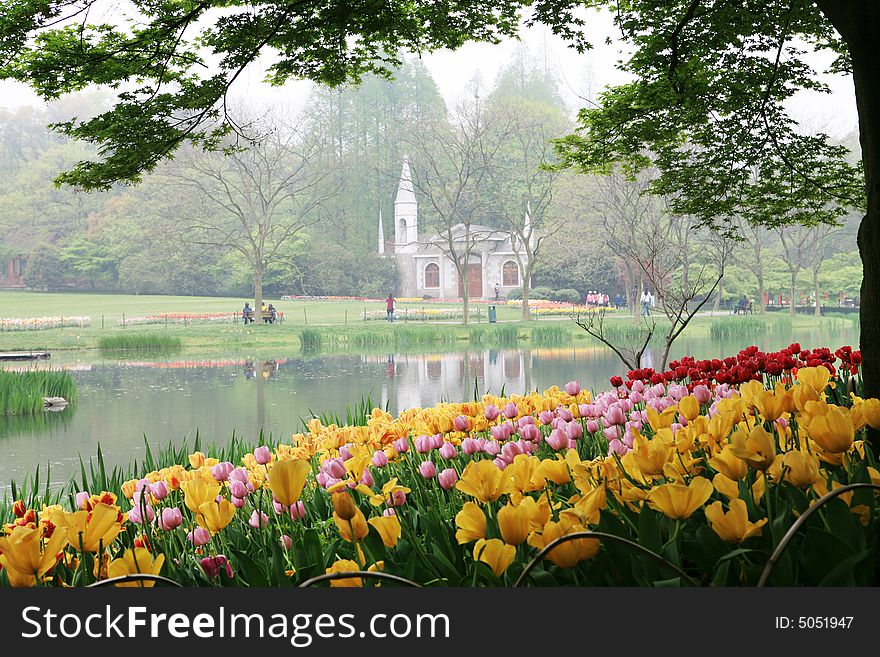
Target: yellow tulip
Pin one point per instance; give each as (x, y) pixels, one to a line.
(89, 531)
(554, 470)
(800, 469)
(651, 455)
(198, 491)
(833, 431)
(815, 377)
(771, 405)
(25, 558)
(803, 395)
(345, 566)
(571, 552)
(287, 478)
(352, 529)
(729, 488)
(513, 521)
(214, 516)
(757, 447)
(589, 506)
(495, 553)
(196, 460)
(525, 473)
(749, 392)
(135, 562)
(484, 481)
(733, 526)
(471, 523)
(678, 501)
(344, 506)
(720, 425)
(728, 464)
(661, 420)
(388, 528)
(689, 407)
(870, 409)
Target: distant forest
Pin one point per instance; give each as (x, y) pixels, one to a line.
(324, 175)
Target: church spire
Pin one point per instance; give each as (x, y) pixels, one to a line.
(381, 234)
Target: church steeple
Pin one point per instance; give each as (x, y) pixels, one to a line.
(405, 210)
(381, 234)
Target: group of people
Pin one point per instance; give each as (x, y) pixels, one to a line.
(269, 314)
(596, 298)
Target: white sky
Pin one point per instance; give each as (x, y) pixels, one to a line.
(580, 75)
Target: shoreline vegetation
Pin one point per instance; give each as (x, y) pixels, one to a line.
(333, 326)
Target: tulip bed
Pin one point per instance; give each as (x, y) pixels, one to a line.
(733, 472)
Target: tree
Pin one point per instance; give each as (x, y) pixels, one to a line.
(257, 197)
(54, 47)
(707, 107)
(451, 171)
(522, 190)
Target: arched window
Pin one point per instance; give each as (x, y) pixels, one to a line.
(510, 274)
(432, 275)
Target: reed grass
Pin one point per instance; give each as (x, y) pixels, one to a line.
(747, 326)
(140, 342)
(310, 340)
(551, 334)
(23, 392)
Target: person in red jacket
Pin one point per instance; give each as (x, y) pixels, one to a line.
(389, 307)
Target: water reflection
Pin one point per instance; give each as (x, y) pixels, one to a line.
(121, 401)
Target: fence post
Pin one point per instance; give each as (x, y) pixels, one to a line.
(305, 317)
(346, 317)
(365, 314)
(123, 320)
(102, 322)
(62, 323)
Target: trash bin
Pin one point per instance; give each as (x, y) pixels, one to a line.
(492, 319)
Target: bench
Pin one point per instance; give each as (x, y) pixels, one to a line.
(740, 309)
(269, 316)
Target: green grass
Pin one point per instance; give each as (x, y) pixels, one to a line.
(140, 342)
(310, 339)
(748, 326)
(22, 392)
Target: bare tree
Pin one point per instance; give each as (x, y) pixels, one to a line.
(522, 190)
(818, 239)
(629, 348)
(255, 198)
(796, 243)
(451, 172)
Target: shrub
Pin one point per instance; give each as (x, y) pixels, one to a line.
(541, 293)
(140, 341)
(567, 295)
(515, 294)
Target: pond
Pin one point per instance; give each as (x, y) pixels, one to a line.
(171, 398)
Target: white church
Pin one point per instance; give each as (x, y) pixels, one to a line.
(423, 266)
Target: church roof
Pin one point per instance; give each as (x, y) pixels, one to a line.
(478, 233)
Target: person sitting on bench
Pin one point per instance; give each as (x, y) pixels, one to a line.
(742, 307)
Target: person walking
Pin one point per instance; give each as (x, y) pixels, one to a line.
(497, 290)
(646, 303)
(389, 307)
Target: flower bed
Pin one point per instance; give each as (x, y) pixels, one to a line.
(423, 314)
(674, 482)
(184, 318)
(42, 323)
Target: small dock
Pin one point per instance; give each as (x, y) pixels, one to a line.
(24, 355)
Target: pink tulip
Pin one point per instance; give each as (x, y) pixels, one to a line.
(526, 420)
(491, 412)
(615, 415)
(461, 423)
(448, 451)
(611, 433)
(367, 479)
(558, 439)
(428, 470)
(344, 453)
(81, 498)
(221, 471)
(160, 490)
(286, 542)
(398, 498)
(238, 489)
(510, 410)
(635, 397)
(592, 426)
(238, 502)
(170, 518)
(424, 444)
(573, 388)
(470, 446)
(380, 459)
(447, 478)
(615, 446)
(334, 468)
(213, 565)
(437, 441)
(258, 519)
(198, 536)
(298, 510)
(262, 455)
(545, 417)
(531, 433)
(638, 386)
(491, 447)
(500, 463)
(136, 517)
(585, 410)
(389, 512)
(575, 430)
(702, 393)
(401, 445)
(564, 414)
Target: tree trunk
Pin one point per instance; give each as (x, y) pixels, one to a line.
(716, 305)
(818, 311)
(637, 302)
(792, 306)
(525, 301)
(258, 293)
(858, 22)
(759, 277)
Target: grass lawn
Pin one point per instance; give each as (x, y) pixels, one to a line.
(338, 321)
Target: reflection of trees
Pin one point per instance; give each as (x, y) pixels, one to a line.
(35, 423)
